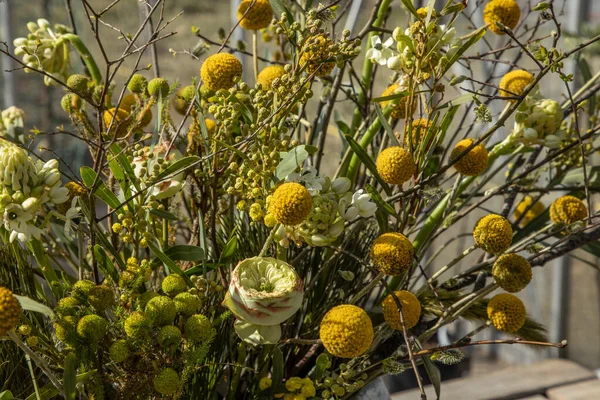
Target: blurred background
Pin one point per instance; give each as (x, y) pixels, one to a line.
(564, 295)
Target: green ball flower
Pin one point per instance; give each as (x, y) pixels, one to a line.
(198, 328)
(101, 297)
(67, 306)
(79, 83)
(161, 310)
(82, 288)
(119, 351)
(92, 328)
(144, 298)
(167, 382)
(137, 325)
(174, 284)
(169, 336)
(137, 84)
(65, 329)
(183, 98)
(187, 303)
(158, 86)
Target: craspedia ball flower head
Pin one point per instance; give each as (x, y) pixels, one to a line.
(144, 298)
(532, 212)
(346, 331)
(65, 329)
(507, 12)
(79, 83)
(418, 132)
(137, 84)
(198, 328)
(137, 325)
(167, 382)
(269, 74)
(399, 109)
(316, 56)
(120, 121)
(568, 209)
(119, 351)
(395, 165)
(514, 83)
(70, 102)
(183, 98)
(254, 16)
(82, 288)
(507, 312)
(158, 87)
(474, 162)
(169, 336)
(392, 253)
(512, 272)
(187, 303)
(493, 233)
(174, 284)
(411, 310)
(67, 306)
(290, 204)
(101, 297)
(161, 310)
(220, 71)
(10, 311)
(92, 328)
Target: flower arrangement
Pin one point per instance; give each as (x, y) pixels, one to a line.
(206, 252)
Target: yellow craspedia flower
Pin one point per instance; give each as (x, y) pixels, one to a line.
(474, 162)
(411, 310)
(532, 213)
(121, 121)
(10, 311)
(316, 55)
(567, 209)
(395, 165)
(269, 74)
(346, 331)
(265, 383)
(513, 83)
(254, 16)
(399, 110)
(419, 128)
(512, 272)
(493, 233)
(290, 204)
(219, 71)
(507, 312)
(392, 253)
(507, 12)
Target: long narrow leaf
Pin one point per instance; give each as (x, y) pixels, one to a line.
(368, 161)
(169, 264)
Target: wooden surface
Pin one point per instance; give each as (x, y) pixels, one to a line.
(513, 383)
(587, 390)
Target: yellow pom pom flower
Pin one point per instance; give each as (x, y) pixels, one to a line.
(531, 213)
(474, 162)
(507, 312)
(392, 253)
(512, 272)
(418, 132)
(399, 110)
(254, 16)
(121, 121)
(315, 54)
(493, 233)
(507, 12)
(568, 209)
(411, 310)
(513, 83)
(290, 204)
(219, 71)
(10, 311)
(346, 331)
(269, 74)
(395, 165)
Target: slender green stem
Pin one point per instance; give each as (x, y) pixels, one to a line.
(255, 55)
(269, 240)
(452, 263)
(367, 288)
(35, 385)
(85, 55)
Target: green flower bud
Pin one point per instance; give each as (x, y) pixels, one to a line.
(161, 310)
(137, 325)
(137, 84)
(79, 83)
(92, 328)
(167, 382)
(187, 303)
(198, 328)
(67, 306)
(174, 284)
(144, 298)
(169, 336)
(65, 329)
(158, 87)
(82, 288)
(119, 351)
(101, 297)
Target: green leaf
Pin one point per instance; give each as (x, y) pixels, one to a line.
(70, 376)
(102, 191)
(45, 393)
(6, 395)
(381, 204)
(411, 7)
(202, 269)
(277, 373)
(462, 99)
(182, 253)
(121, 158)
(386, 125)
(178, 167)
(368, 161)
(229, 250)
(391, 97)
(322, 364)
(164, 214)
(32, 305)
(575, 176)
(169, 264)
(434, 375)
(105, 264)
(292, 160)
(41, 257)
(279, 9)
